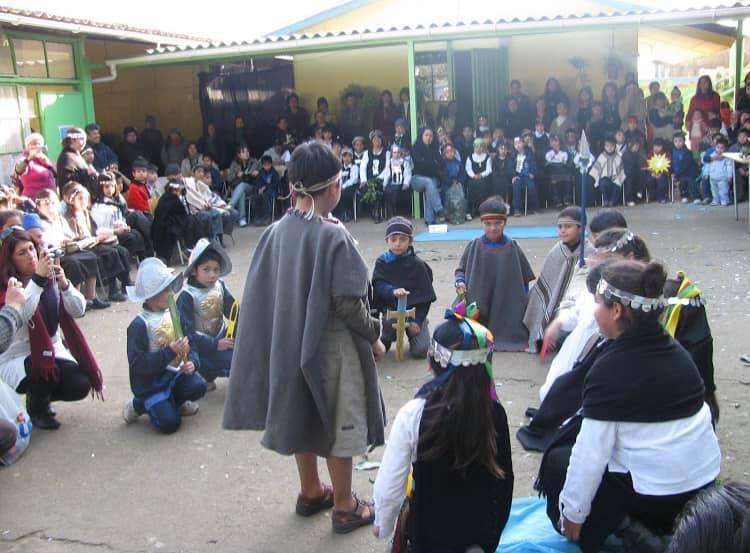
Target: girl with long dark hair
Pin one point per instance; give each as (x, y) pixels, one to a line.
(454, 439)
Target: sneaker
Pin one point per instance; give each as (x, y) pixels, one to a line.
(706, 201)
(243, 222)
(469, 217)
(210, 385)
(189, 408)
(697, 202)
(639, 195)
(684, 200)
(440, 219)
(724, 204)
(631, 204)
(714, 203)
(129, 414)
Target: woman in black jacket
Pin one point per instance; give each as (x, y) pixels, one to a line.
(425, 178)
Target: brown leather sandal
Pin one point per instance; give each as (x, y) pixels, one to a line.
(309, 506)
(344, 522)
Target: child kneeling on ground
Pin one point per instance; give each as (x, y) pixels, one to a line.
(162, 368)
(454, 438)
(400, 273)
(203, 304)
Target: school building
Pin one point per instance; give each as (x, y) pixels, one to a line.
(56, 72)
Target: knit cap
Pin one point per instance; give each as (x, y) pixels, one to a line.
(399, 225)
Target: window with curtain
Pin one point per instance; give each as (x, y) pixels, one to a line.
(11, 138)
(6, 58)
(432, 78)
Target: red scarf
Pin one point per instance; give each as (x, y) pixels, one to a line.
(43, 352)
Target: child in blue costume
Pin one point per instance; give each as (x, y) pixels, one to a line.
(162, 368)
(203, 304)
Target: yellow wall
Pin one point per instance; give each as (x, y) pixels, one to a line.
(328, 73)
(169, 92)
(533, 58)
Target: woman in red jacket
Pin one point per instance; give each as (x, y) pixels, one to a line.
(705, 99)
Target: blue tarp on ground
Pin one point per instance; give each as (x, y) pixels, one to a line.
(467, 234)
(529, 531)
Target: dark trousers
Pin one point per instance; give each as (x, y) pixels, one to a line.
(215, 364)
(658, 187)
(346, 203)
(519, 183)
(478, 191)
(72, 384)
(610, 191)
(561, 190)
(634, 185)
(8, 436)
(142, 222)
(165, 415)
(614, 500)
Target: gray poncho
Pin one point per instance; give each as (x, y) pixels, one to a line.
(549, 289)
(497, 276)
(276, 381)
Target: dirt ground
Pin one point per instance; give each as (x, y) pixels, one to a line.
(97, 484)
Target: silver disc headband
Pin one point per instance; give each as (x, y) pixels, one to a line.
(621, 243)
(444, 356)
(606, 290)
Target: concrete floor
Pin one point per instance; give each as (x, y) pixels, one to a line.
(99, 484)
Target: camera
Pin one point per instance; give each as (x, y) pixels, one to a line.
(55, 252)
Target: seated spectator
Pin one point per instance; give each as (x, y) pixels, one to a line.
(372, 174)
(524, 168)
(34, 171)
(81, 266)
(560, 124)
(152, 179)
(319, 123)
(608, 174)
(401, 136)
(503, 171)
(633, 131)
(661, 117)
(241, 177)
(163, 375)
(192, 158)
(109, 214)
(465, 144)
(632, 164)
(45, 364)
(70, 163)
(684, 168)
(201, 204)
(81, 233)
(349, 184)
(478, 168)
(426, 159)
(397, 179)
(175, 148)
(561, 178)
(210, 168)
(267, 185)
(104, 157)
(298, 117)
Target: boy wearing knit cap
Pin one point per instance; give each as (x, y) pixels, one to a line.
(400, 273)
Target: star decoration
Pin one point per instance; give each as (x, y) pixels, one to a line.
(658, 164)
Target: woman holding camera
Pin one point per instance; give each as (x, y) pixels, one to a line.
(34, 170)
(38, 362)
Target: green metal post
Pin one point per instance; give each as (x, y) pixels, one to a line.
(739, 62)
(411, 65)
(83, 72)
(451, 76)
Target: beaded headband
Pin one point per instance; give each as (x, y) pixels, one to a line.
(621, 243)
(458, 358)
(634, 301)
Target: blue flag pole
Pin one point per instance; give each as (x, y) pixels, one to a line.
(584, 162)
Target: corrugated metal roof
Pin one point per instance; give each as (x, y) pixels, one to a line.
(448, 27)
(81, 26)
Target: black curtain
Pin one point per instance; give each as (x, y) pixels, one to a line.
(258, 96)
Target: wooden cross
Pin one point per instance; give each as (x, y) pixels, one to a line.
(400, 316)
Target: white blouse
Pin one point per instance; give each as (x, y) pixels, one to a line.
(12, 370)
(663, 458)
(400, 453)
